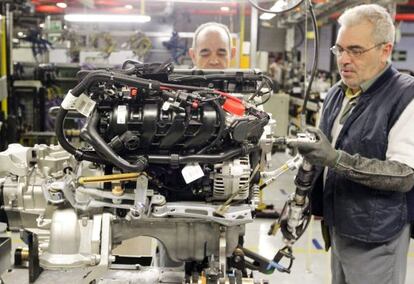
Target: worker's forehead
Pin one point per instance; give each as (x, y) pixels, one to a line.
(215, 36)
(358, 34)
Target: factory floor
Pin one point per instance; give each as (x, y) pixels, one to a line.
(312, 263)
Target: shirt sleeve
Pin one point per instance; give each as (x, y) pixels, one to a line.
(401, 138)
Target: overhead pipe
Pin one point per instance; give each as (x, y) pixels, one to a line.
(254, 29)
(242, 33)
(409, 17)
(404, 17)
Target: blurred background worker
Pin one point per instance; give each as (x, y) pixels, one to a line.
(212, 47)
(276, 73)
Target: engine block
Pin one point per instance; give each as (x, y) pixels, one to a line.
(167, 158)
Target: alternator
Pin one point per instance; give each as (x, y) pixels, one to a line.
(231, 177)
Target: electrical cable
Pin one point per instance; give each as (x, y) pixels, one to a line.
(270, 86)
(302, 37)
(316, 47)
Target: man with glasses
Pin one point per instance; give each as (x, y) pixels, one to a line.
(212, 47)
(365, 154)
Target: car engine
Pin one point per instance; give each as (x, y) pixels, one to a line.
(177, 155)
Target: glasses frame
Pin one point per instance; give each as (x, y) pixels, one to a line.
(337, 50)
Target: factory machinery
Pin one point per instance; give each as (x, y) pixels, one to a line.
(177, 155)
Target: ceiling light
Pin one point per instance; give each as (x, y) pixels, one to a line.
(20, 34)
(225, 9)
(129, 7)
(280, 5)
(200, 1)
(62, 5)
(267, 16)
(105, 18)
(42, 25)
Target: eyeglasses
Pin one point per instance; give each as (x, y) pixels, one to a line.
(337, 50)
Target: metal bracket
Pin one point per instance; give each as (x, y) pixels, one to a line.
(106, 247)
(32, 241)
(5, 250)
(222, 254)
(235, 215)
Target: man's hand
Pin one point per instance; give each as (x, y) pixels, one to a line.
(320, 153)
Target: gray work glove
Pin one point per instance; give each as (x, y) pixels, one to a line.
(320, 153)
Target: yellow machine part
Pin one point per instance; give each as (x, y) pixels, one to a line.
(3, 62)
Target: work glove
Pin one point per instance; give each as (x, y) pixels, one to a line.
(319, 153)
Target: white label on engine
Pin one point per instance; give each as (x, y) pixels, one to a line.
(122, 113)
(192, 172)
(85, 105)
(69, 101)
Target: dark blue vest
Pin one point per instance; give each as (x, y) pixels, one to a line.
(355, 210)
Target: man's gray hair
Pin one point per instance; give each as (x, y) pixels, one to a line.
(383, 26)
(211, 26)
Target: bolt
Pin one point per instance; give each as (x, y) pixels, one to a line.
(135, 212)
(93, 259)
(237, 259)
(118, 190)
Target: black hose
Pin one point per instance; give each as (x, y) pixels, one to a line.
(165, 67)
(91, 134)
(267, 81)
(211, 159)
(207, 77)
(60, 134)
(315, 59)
(184, 87)
(90, 78)
(82, 73)
(265, 100)
(302, 37)
(222, 122)
(257, 91)
(132, 62)
(106, 76)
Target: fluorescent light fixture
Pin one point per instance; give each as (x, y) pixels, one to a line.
(20, 34)
(199, 1)
(280, 5)
(267, 16)
(62, 5)
(42, 25)
(129, 7)
(225, 8)
(105, 18)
